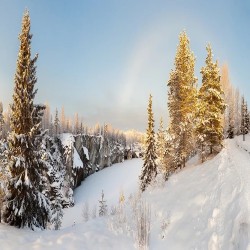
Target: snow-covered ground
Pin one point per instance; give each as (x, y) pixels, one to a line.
(204, 206)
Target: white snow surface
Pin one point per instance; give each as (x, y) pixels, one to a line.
(207, 206)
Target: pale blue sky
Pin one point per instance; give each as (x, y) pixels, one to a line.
(103, 58)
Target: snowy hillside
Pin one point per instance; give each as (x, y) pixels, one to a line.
(204, 206)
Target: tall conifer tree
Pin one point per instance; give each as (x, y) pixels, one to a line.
(244, 118)
(247, 119)
(182, 99)
(25, 204)
(149, 170)
(211, 106)
(56, 123)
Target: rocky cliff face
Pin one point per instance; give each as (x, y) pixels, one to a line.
(98, 152)
(86, 154)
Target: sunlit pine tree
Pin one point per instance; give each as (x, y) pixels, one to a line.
(211, 107)
(182, 103)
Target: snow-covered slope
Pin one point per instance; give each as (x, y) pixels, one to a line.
(112, 180)
(208, 205)
(204, 206)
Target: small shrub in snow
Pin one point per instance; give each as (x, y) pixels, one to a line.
(68, 198)
(143, 220)
(164, 220)
(117, 222)
(132, 218)
(103, 208)
(134, 201)
(113, 210)
(57, 215)
(164, 225)
(85, 212)
(121, 198)
(130, 198)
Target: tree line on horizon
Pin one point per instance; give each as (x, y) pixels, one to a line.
(59, 123)
(199, 118)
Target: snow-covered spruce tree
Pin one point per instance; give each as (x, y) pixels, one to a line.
(231, 129)
(4, 176)
(52, 157)
(149, 170)
(25, 204)
(51, 126)
(56, 123)
(211, 107)
(46, 117)
(103, 208)
(169, 167)
(182, 101)
(160, 146)
(244, 118)
(247, 120)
